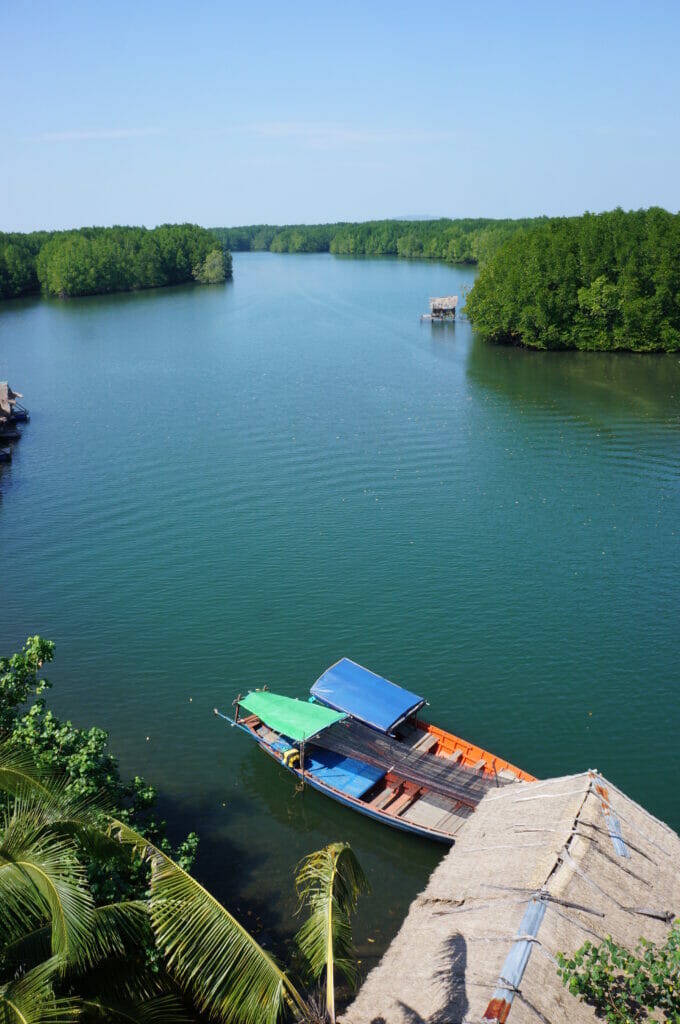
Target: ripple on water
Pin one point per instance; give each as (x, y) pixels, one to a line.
(242, 499)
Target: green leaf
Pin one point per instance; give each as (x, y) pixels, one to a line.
(31, 1000)
(328, 883)
(212, 956)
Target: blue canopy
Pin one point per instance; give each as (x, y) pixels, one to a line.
(348, 687)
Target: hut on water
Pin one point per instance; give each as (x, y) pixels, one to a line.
(443, 308)
(6, 404)
(536, 870)
(9, 406)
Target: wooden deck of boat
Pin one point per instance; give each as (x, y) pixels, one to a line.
(439, 807)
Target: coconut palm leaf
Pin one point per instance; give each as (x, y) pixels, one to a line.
(30, 949)
(31, 1000)
(329, 882)
(117, 929)
(42, 879)
(162, 1009)
(47, 796)
(228, 974)
(18, 772)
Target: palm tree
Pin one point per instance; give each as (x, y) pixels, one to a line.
(29, 999)
(209, 953)
(53, 937)
(329, 883)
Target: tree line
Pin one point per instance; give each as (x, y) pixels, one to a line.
(599, 281)
(468, 240)
(94, 261)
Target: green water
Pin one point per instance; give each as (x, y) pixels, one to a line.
(225, 487)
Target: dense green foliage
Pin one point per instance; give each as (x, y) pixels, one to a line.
(605, 281)
(82, 758)
(63, 957)
(470, 240)
(93, 261)
(157, 940)
(625, 986)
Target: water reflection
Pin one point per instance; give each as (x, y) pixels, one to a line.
(596, 387)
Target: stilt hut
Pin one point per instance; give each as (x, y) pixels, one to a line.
(442, 308)
(536, 870)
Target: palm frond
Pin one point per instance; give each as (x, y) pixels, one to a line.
(42, 879)
(162, 1009)
(31, 1000)
(116, 930)
(20, 776)
(18, 772)
(329, 883)
(32, 947)
(210, 954)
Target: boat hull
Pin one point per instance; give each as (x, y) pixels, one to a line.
(383, 795)
(352, 803)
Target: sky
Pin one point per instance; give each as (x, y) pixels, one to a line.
(225, 113)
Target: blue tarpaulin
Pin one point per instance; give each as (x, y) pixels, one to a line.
(344, 773)
(364, 695)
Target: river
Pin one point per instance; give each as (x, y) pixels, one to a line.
(229, 486)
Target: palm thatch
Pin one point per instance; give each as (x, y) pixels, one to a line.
(552, 845)
(444, 303)
(8, 399)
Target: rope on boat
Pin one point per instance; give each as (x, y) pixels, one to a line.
(437, 774)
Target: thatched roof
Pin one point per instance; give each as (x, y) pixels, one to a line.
(445, 302)
(7, 399)
(542, 859)
(6, 402)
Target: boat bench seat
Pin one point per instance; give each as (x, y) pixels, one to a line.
(382, 799)
(403, 802)
(506, 774)
(455, 756)
(479, 765)
(426, 743)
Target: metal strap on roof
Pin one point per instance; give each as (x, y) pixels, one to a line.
(516, 961)
(612, 821)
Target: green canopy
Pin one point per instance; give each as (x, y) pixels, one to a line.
(296, 719)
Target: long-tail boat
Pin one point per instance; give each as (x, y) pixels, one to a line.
(359, 740)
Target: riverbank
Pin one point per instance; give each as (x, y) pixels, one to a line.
(605, 282)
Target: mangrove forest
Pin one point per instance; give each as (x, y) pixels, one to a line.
(95, 261)
(468, 240)
(596, 282)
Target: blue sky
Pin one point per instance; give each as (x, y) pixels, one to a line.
(225, 113)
